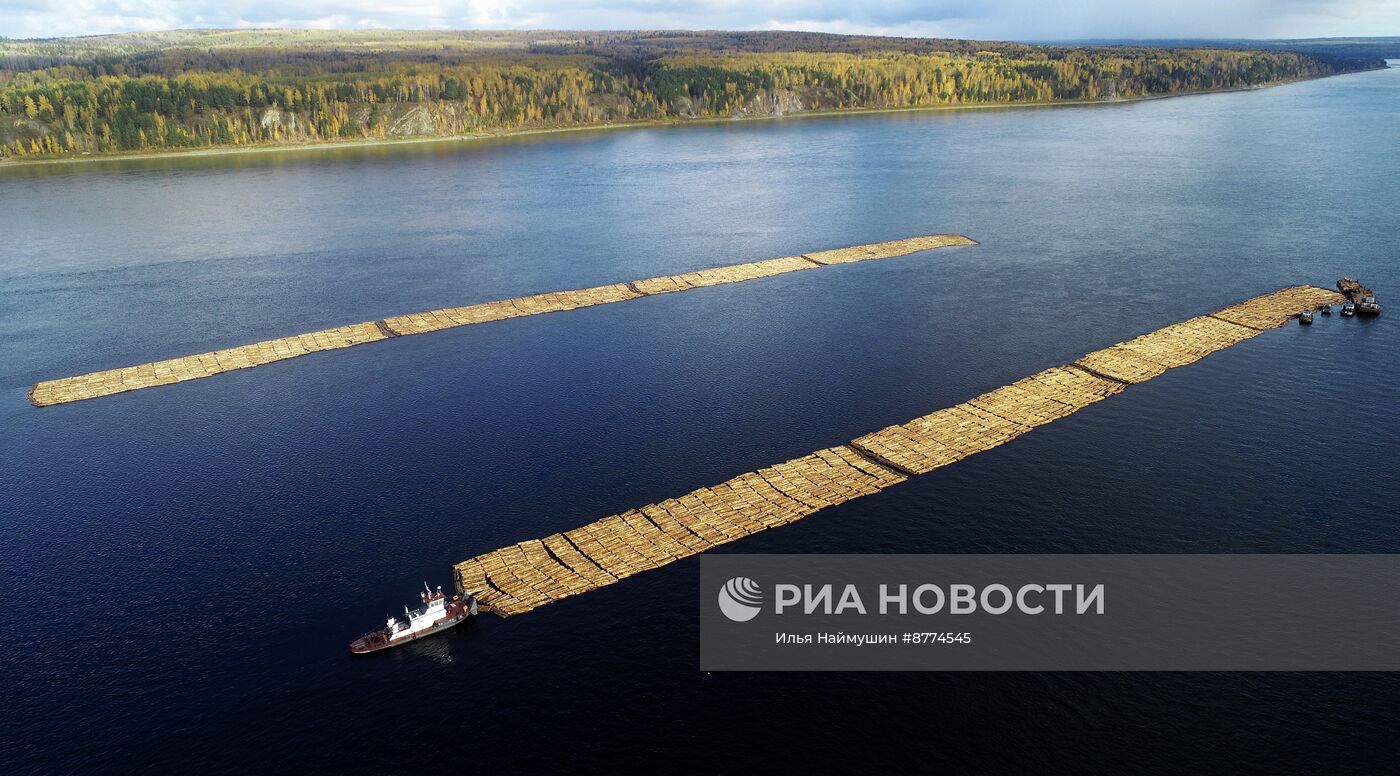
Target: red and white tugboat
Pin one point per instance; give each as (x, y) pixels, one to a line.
(437, 614)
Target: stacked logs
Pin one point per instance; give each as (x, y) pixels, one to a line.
(521, 577)
(177, 370)
(106, 383)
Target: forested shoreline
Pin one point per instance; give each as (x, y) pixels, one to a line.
(168, 91)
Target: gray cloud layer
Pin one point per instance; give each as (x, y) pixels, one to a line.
(988, 19)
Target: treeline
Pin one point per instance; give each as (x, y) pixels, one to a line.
(723, 84)
(112, 113)
(97, 100)
(1324, 48)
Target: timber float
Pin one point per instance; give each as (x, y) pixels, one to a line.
(524, 576)
(176, 370)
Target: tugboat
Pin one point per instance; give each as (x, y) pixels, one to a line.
(1354, 291)
(436, 615)
(1327, 309)
(1305, 318)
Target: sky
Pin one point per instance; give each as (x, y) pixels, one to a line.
(983, 19)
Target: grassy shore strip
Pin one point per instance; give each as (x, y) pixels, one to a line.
(657, 123)
(524, 576)
(178, 370)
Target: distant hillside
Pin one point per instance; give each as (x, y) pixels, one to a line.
(203, 88)
(1345, 48)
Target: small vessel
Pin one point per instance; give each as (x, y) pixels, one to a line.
(1305, 318)
(1327, 309)
(436, 615)
(1368, 306)
(1348, 310)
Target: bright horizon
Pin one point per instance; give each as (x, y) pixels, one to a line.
(1024, 20)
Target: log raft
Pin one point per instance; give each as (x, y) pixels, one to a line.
(175, 370)
(524, 576)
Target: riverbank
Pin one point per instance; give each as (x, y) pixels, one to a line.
(346, 477)
(670, 122)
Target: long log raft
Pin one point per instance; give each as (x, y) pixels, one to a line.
(521, 577)
(175, 370)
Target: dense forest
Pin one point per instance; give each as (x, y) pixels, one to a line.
(154, 91)
(1355, 48)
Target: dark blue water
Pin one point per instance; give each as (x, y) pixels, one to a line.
(183, 566)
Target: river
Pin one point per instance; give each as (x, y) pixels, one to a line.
(183, 566)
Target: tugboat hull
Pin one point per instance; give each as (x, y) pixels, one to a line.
(378, 641)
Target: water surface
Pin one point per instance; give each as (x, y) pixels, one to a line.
(184, 565)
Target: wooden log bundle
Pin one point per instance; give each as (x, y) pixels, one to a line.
(175, 370)
(524, 576)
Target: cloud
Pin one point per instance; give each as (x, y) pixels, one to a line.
(989, 19)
